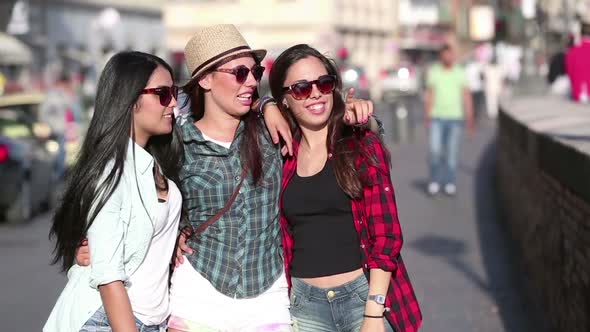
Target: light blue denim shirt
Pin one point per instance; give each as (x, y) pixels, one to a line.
(118, 241)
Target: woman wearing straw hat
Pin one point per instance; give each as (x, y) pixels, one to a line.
(233, 278)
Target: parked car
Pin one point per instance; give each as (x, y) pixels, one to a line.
(402, 80)
(355, 77)
(28, 159)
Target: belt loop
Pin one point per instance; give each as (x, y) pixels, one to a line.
(308, 290)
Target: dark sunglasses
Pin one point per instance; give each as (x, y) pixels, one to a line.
(302, 89)
(241, 72)
(165, 93)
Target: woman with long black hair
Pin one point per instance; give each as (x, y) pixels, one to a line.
(122, 195)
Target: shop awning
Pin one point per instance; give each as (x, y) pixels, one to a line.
(13, 51)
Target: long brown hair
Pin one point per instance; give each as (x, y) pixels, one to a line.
(250, 154)
(340, 136)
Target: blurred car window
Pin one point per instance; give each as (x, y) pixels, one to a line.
(14, 125)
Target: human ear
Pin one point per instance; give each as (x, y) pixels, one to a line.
(205, 82)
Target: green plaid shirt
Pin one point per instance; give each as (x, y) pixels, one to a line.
(240, 254)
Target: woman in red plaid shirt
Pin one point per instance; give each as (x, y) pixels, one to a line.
(341, 234)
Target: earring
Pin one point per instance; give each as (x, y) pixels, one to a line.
(285, 105)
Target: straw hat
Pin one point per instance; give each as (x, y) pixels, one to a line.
(212, 44)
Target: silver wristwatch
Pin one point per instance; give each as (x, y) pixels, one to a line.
(379, 298)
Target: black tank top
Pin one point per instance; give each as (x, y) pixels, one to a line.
(320, 217)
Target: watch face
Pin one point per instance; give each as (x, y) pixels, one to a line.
(380, 299)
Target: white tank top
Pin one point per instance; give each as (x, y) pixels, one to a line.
(148, 290)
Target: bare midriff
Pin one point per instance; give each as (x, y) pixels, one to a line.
(333, 280)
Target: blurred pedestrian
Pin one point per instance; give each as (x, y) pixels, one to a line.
(494, 83)
(448, 107)
(578, 66)
(557, 66)
(557, 76)
(474, 70)
(510, 60)
(122, 196)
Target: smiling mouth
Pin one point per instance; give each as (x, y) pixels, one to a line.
(245, 96)
(317, 108)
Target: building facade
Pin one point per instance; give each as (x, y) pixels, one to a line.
(82, 32)
(363, 29)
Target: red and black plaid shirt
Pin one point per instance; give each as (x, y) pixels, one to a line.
(377, 224)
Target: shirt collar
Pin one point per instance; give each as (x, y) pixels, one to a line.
(190, 132)
(143, 159)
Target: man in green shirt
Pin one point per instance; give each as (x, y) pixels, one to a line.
(448, 107)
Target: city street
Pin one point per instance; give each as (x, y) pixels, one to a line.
(30, 285)
(506, 251)
(457, 254)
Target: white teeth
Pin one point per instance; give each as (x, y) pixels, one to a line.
(316, 107)
(245, 96)
(168, 115)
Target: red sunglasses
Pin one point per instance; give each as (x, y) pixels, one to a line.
(165, 93)
(302, 89)
(241, 72)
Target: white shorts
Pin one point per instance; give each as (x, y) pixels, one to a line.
(196, 306)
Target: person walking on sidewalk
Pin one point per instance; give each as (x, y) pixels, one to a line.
(578, 67)
(448, 107)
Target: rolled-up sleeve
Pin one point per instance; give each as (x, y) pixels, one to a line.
(106, 242)
(384, 229)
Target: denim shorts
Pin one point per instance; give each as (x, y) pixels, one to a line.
(337, 309)
(99, 322)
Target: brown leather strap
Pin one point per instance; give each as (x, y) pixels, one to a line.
(219, 213)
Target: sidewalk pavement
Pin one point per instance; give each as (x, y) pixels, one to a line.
(457, 252)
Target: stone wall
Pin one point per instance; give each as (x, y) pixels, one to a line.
(543, 179)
